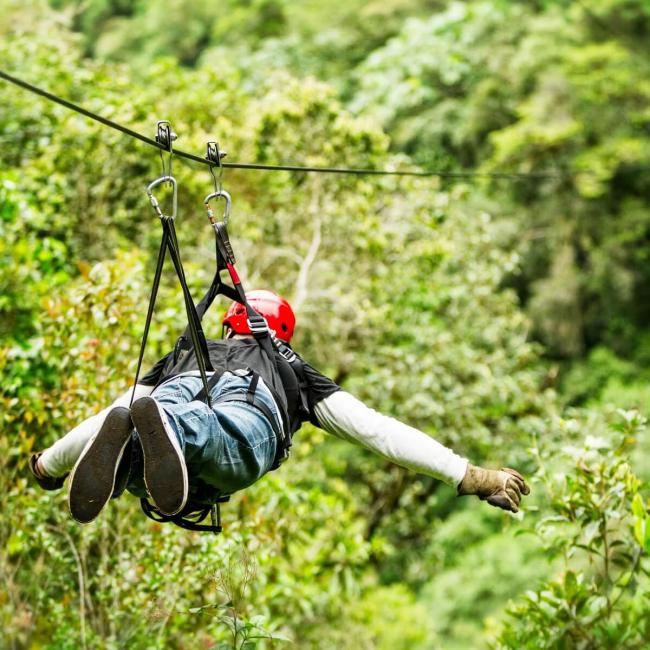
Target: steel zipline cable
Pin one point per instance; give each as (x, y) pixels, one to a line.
(290, 168)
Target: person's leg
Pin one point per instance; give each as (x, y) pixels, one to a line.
(158, 421)
(189, 447)
(228, 446)
(164, 468)
(93, 477)
(247, 439)
(95, 448)
(101, 442)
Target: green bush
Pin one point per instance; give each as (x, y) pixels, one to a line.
(600, 528)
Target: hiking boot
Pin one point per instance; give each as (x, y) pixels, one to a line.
(93, 477)
(165, 472)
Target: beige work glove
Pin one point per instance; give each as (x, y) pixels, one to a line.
(501, 488)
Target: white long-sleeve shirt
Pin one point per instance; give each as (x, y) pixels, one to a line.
(346, 417)
(340, 414)
(62, 456)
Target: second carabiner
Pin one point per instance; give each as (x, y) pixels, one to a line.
(221, 194)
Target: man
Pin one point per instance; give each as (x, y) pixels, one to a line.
(183, 453)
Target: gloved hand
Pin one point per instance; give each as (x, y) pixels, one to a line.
(501, 488)
(45, 481)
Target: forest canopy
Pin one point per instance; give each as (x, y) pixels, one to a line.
(506, 316)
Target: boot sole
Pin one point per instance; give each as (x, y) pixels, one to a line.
(165, 472)
(93, 477)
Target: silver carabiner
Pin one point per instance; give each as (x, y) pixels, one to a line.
(221, 194)
(153, 200)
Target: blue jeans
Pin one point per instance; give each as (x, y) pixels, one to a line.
(227, 447)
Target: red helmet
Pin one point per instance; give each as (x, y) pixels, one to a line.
(276, 310)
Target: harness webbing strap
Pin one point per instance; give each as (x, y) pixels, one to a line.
(224, 255)
(194, 322)
(217, 286)
(188, 519)
(152, 302)
(252, 399)
(225, 261)
(169, 242)
(206, 390)
(258, 404)
(252, 387)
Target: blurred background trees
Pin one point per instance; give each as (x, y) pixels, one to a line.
(502, 317)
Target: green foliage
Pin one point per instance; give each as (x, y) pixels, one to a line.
(491, 84)
(79, 348)
(435, 84)
(232, 581)
(588, 380)
(600, 527)
(323, 38)
(407, 292)
(504, 86)
(157, 575)
(469, 590)
(31, 262)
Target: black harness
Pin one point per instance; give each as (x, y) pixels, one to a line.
(276, 354)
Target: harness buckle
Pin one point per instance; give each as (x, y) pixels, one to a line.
(281, 458)
(258, 325)
(285, 351)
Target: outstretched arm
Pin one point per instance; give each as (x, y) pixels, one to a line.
(51, 466)
(60, 458)
(344, 416)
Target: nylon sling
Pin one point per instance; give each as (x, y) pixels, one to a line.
(169, 242)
